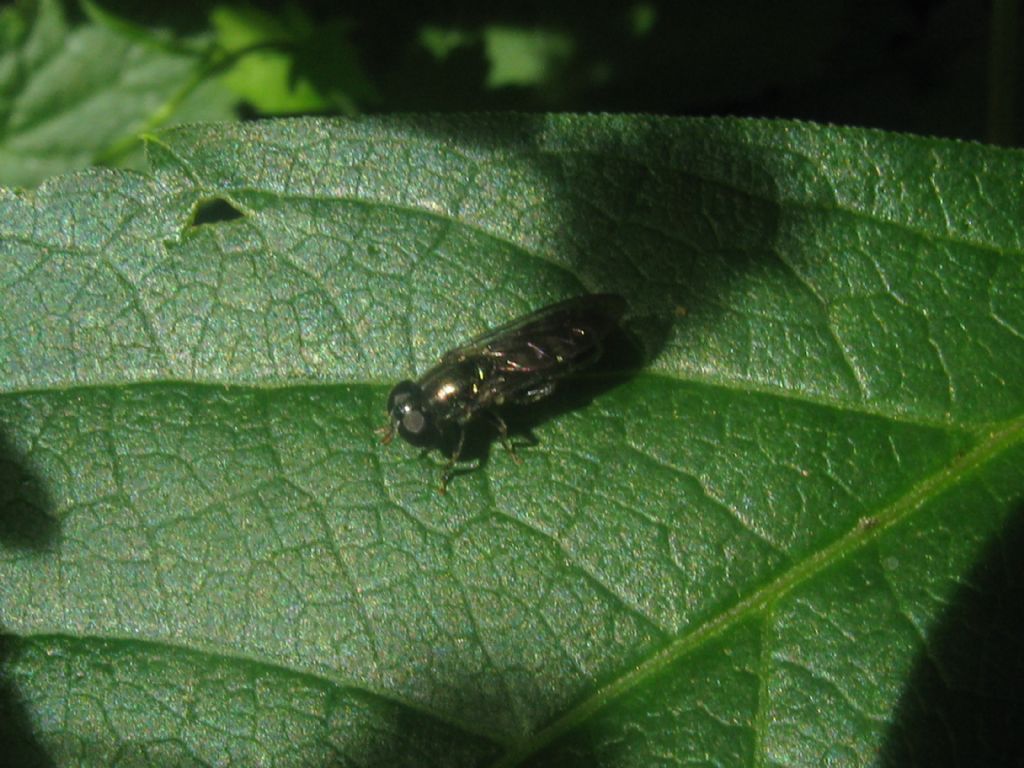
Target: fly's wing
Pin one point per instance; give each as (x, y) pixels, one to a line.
(524, 355)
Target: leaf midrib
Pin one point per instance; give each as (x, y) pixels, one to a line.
(712, 383)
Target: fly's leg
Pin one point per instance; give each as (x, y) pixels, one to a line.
(503, 435)
(446, 475)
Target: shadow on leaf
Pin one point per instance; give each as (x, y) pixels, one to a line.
(414, 739)
(963, 701)
(26, 510)
(26, 523)
(674, 238)
(18, 743)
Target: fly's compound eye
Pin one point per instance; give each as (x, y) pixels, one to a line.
(406, 411)
(413, 422)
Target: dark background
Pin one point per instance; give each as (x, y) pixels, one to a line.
(933, 67)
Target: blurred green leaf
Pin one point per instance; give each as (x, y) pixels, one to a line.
(524, 57)
(72, 96)
(442, 41)
(770, 546)
(643, 17)
(290, 64)
(264, 77)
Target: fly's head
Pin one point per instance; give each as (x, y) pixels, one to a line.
(409, 418)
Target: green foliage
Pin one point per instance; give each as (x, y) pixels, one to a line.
(780, 542)
(524, 57)
(264, 76)
(75, 95)
(287, 64)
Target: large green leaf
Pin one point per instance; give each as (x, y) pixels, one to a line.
(779, 542)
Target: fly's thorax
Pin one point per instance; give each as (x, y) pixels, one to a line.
(451, 390)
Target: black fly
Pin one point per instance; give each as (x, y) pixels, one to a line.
(519, 362)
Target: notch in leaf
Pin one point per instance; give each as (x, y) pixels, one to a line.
(216, 210)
